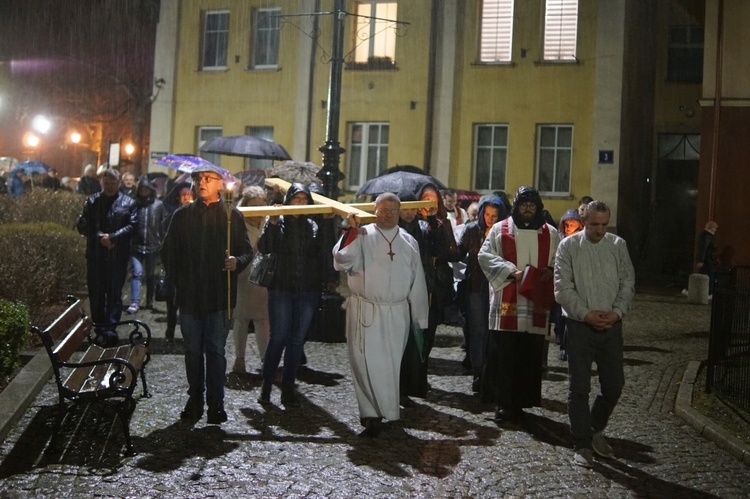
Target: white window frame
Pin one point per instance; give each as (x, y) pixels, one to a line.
(560, 30)
(266, 38)
(262, 132)
(496, 153)
(559, 155)
(202, 135)
(363, 151)
(496, 31)
(375, 38)
(220, 42)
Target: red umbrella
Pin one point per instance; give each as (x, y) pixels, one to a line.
(464, 197)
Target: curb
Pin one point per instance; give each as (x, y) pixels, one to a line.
(22, 391)
(705, 427)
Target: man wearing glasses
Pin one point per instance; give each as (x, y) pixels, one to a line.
(389, 296)
(195, 253)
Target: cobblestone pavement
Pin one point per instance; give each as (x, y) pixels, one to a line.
(445, 446)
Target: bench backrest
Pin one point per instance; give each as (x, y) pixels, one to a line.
(67, 333)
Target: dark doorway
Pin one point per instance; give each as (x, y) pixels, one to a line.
(668, 259)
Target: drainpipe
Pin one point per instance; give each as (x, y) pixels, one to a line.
(430, 109)
(717, 112)
(311, 84)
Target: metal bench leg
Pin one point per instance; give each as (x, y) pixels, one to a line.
(146, 393)
(124, 412)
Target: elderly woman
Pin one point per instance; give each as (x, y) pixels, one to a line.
(252, 300)
(294, 292)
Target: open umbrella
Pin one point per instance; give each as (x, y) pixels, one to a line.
(253, 176)
(400, 183)
(295, 171)
(186, 164)
(29, 167)
(246, 146)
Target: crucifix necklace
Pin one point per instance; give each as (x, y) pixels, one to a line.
(390, 243)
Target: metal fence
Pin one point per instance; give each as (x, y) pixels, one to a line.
(728, 374)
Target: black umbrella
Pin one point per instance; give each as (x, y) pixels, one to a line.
(246, 146)
(400, 183)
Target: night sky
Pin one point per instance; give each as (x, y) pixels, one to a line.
(86, 64)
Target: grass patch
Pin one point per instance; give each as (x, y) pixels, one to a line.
(730, 418)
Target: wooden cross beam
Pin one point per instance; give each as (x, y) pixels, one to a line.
(322, 206)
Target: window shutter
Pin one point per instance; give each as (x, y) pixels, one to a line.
(496, 37)
(560, 30)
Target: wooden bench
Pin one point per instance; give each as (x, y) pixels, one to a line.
(99, 374)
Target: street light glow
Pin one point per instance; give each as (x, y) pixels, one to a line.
(129, 148)
(75, 137)
(31, 140)
(41, 124)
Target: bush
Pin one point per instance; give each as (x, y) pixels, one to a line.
(42, 205)
(41, 263)
(14, 332)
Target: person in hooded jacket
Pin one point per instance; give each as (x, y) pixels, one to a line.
(570, 223)
(512, 375)
(147, 240)
(491, 211)
(294, 291)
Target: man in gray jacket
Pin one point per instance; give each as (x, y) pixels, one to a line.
(594, 283)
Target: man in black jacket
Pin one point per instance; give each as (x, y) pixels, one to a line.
(706, 254)
(195, 254)
(108, 221)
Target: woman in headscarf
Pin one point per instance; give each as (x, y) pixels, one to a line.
(490, 211)
(294, 292)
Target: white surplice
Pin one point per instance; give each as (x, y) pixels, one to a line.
(387, 294)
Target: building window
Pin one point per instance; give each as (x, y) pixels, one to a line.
(206, 133)
(214, 40)
(554, 159)
(262, 132)
(490, 157)
(685, 61)
(265, 43)
(496, 34)
(375, 35)
(368, 152)
(560, 30)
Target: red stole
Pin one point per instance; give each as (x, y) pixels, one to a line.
(509, 310)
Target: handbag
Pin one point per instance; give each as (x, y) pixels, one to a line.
(262, 269)
(163, 288)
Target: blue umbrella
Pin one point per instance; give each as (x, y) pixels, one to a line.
(29, 167)
(186, 164)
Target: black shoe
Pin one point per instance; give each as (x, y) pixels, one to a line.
(193, 409)
(476, 384)
(289, 397)
(265, 393)
(169, 335)
(466, 363)
(406, 402)
(216, 414)
(507, 415)
(372, 427)
(106, 339)
(563, 355)
(303, 359)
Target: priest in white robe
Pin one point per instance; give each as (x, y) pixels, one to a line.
(512, 374)
(388, 296)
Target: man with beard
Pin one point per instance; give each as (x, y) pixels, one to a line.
(512, 376)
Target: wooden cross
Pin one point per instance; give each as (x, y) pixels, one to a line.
(322, 206)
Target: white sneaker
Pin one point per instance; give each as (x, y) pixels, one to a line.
(685, 292)
(584, 458)
(133, 308)
(601, 446)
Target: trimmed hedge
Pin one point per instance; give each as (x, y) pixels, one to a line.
(42, 205)
(14, 332)
(41, 263)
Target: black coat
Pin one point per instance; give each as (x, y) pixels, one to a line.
(296, 242)
(115, 216)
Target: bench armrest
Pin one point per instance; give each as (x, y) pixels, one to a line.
(140, 334)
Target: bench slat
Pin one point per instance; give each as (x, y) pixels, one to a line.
(79, 376)
(65, 321)
(72, 342)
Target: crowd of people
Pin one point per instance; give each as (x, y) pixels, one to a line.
(519, 279)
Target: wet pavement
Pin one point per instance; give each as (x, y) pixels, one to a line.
(444, 446)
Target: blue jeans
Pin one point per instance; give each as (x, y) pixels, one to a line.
(144, 269)
(205, 362)
(290, 314)
(586, 346)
